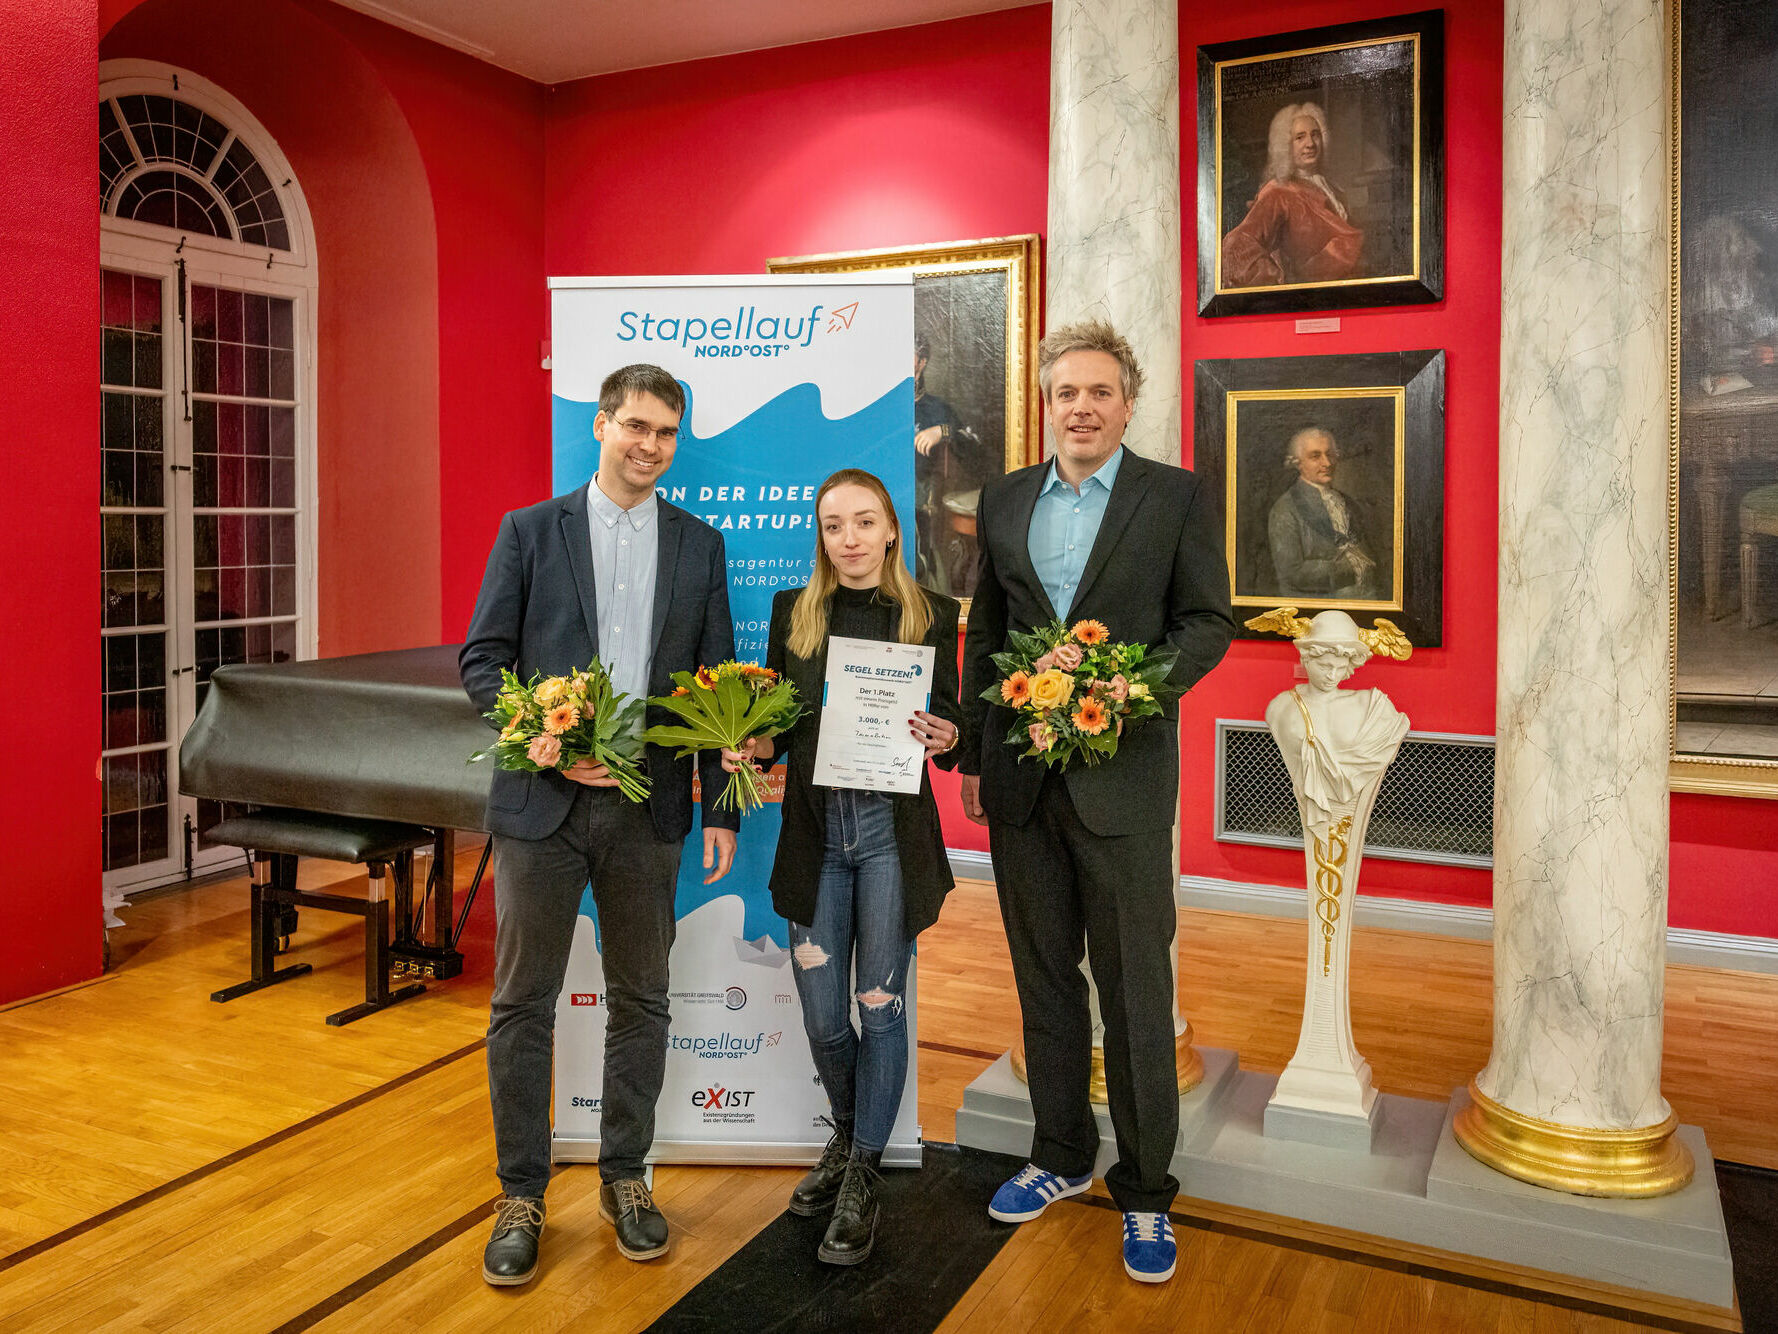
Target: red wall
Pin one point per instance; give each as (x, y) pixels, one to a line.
(49, 505)
(1446, 689)
(480, 134)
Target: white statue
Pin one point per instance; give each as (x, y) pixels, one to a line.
(1336, 744)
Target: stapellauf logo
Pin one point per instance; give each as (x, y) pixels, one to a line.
(735, 998)
(583, 998)
(722, 1046)
(745, 333)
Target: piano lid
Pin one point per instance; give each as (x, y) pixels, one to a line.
(386, 736)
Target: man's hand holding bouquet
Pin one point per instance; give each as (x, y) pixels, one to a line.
(1074, 692)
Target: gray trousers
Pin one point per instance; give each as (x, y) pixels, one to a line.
(609, 843)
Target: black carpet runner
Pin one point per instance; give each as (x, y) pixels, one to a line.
(933, 1242)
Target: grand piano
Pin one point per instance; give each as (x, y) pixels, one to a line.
(377, 737)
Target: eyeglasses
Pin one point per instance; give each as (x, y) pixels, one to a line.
(641, 430)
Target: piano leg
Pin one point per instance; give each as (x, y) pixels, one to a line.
(265, 917)
(437, 958)
(377, 956)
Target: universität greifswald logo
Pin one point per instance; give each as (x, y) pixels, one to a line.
(734, 998)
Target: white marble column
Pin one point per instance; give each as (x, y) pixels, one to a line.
(1113, 247)
(1113, 243)
(1580, 842)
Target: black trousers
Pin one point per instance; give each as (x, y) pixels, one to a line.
(1062, 887)
(609, 843)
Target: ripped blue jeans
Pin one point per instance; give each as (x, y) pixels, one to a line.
(858, 930)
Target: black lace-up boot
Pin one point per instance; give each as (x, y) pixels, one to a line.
(853, 1230)
(816, 1192)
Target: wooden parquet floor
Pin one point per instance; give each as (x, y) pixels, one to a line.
(170, 1164)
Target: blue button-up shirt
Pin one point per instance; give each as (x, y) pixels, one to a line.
(1063, 526)
(626, 555)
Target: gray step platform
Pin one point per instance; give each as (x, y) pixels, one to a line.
(1416, 1185)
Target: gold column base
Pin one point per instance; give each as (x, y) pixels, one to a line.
(1185, 1056)
(1614, 1164)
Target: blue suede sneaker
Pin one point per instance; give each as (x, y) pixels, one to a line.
(1149, 1252)
(1031, 1191)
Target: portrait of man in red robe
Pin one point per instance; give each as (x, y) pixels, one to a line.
(1297, 229)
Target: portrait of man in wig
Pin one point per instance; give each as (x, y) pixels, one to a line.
(1297, 229)
(1317, 532)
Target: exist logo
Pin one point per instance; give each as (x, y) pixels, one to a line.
(735, 998)
(719, 1099)
(840, 320)
(583, 998)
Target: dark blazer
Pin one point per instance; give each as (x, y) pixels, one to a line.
(1156, 572)
(925, 869)
(536, 614)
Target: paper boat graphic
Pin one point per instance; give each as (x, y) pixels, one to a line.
(764, 952)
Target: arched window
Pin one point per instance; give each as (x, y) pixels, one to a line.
(207, 394)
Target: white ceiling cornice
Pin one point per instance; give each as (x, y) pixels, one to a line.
(557, 41)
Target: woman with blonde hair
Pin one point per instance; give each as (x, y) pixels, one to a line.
(858, 873)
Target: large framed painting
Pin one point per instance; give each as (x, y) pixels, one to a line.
(1723, 490)
(1331, 472)
(1321, 168)
(976, 405)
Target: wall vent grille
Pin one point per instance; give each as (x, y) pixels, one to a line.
(1437, 802)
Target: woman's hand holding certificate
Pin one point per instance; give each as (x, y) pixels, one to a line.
(874, 695)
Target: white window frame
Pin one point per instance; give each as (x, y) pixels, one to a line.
(155, 252)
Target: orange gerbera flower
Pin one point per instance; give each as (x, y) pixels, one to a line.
(559, 719)
(1016, 689)
(1090, 632)
(706, 678)
(1091, 717)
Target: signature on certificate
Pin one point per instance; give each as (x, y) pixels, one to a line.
(902, 764)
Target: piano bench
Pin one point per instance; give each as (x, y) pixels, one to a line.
(276, 838)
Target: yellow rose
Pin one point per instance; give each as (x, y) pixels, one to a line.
(552, 692)
(1051, 689)
(1138, 691)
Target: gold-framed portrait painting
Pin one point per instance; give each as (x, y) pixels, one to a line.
(1723, 484)
(1331, 475)
(1321, 170)
(976, 405)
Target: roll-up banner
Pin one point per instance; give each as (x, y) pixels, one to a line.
(787, 378)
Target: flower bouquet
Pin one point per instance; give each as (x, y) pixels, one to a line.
(555, 721)
(1074, 692)
(722, 706)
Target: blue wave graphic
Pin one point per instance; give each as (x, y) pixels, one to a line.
(785, 447)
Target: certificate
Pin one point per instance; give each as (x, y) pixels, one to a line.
(871, 691)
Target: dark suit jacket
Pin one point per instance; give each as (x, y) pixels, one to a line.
(925, 869)
(1156, 572)
(536, 614)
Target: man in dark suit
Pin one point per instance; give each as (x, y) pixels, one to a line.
(613, 571)
(1085, 855)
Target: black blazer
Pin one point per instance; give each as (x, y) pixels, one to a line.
(925, 869)
(536, 614)
(1156, 572)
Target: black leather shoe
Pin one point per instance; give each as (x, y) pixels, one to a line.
(511, 1256)
(816, 1192)
(853, 1230)
(628, 1207)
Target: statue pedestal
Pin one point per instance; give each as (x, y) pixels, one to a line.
(1417, 1186)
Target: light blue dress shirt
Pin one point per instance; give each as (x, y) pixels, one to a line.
(1063, 526)
(626, 556)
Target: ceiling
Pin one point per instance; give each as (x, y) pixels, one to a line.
(554, 41)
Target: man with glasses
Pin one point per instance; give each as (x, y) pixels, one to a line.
(612, 571)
